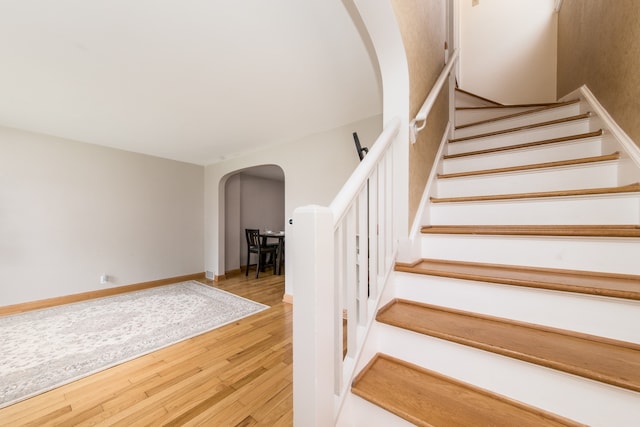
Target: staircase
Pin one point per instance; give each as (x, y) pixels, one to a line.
(523, 307)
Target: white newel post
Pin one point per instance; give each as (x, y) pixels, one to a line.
(313, 317)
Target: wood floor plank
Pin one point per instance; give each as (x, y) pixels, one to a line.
(45, 419)
(117, 403)
(232, 414)
(38, 416)
(201, 407)
(578, 354)
(240, 371)
(260, 389)
(427, 398)
(160, 387)
(284, 421)
(193, 392)
(80, 418)
(275, 408)
(601, 284)
(28, 411)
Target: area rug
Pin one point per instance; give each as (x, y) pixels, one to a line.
(44, 349)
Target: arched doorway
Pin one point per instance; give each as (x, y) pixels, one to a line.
(253, 198)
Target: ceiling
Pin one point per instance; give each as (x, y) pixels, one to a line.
(271, 172)
(198, 81)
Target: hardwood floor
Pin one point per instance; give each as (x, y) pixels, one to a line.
(237, 375)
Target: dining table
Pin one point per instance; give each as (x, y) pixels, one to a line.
(279, 236)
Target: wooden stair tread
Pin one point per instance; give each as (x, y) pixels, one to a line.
(527, 144)
(482, 98)
(506, 106)
(631, 188)
(426, 398)
(623, 230)
(520, 128)
(612, 362)
(601, 284)
(545, 165)
(519, 114)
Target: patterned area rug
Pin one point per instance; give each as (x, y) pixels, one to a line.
(43, 349)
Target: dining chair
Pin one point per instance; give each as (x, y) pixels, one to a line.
(256, 245)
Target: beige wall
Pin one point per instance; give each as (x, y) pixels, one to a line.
(508, 50)
(423, 27)
(599, 45)
(70, 212)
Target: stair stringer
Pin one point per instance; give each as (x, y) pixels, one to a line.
(630, 171)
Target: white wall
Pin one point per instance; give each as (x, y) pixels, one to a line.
(315, 168)
(70, 212)
(508, 50)
(378, 24)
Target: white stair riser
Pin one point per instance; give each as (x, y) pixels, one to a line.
(542, 116)
(523, 136)
(615, 319)
(610, 209)
(577, 398)
(602, 174)
(463, 117)
(610, 255)
(365, 413)
(588, 147)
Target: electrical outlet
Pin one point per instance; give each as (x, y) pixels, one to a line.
(104, 279)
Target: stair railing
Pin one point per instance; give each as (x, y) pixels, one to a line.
(342, 253)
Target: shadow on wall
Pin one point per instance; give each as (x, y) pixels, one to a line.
(254, 198)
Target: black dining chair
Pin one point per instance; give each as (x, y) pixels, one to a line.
(256, 245)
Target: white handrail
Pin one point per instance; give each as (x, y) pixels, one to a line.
(360, 175)
(424, 111)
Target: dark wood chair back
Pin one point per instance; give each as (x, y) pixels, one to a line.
(256, 245)
(253, 237)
